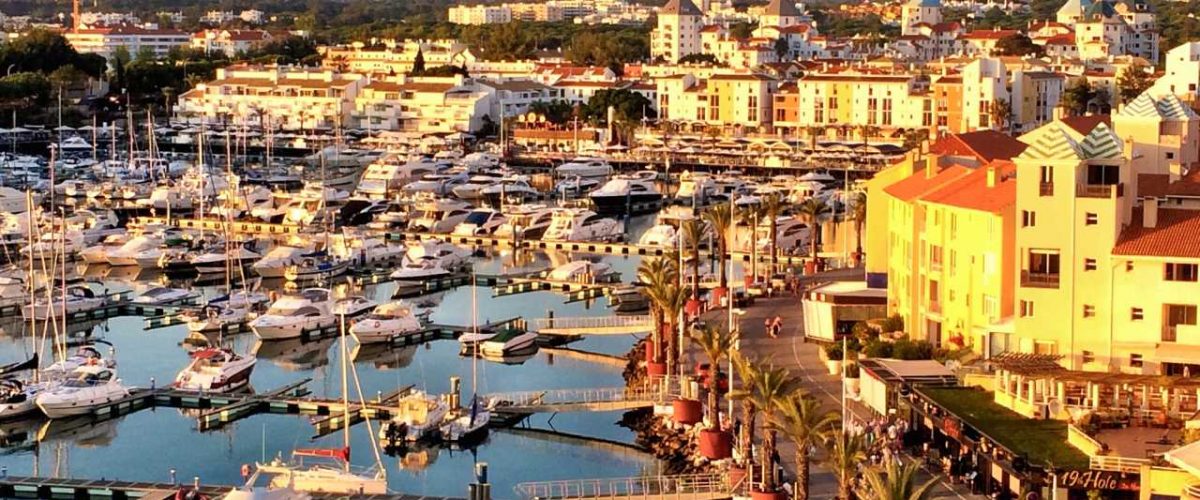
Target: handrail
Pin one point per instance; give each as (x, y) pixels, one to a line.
(657, 390)
(592, 322)
(644, 486)
(1117, 464)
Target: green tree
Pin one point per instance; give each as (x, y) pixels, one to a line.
(1076, 97)
(764, 388)
(813, 210)
(846, 453)
(898, 482)
(658, 275)
(611, 50)
(1132, 81)
(66, 77)
(799, 417)
(24, 90)
(501, 42)
(692, 231)
(629, 106)
(858, 213)
(1000, 111)
(1018, 45)
(699, 58)
(716, 344)
(145, 54)
(558, 111)
(419, 62)
(720, 219)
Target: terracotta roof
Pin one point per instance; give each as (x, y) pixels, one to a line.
(986, 145)
(972, 192)
(1176, 234)
(1067, 39)
(382, 86)
(1084, 124)
(988, 34)
(1153, 184)
(918, 184)
(1188, 186)
(944, 27)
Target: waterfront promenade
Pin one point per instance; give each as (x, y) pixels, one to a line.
(791, 351)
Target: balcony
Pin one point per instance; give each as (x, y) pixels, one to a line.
(1046, 189)
(1170, 333)
(934, 307)
(1099, 190)
(1039, 280)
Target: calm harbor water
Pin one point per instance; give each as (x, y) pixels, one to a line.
(148, 444)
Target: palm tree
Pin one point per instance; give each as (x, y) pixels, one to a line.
(1000, 110)
(800, 419)
(750, 215)
(846, 452)
(858, 213)
(812, 210)
(814, 132)
(720, 219)
(773, 207)
(764, 386)
(669, 299)
(898, 483)
(716, 344)
(656, 273)
(692, 231)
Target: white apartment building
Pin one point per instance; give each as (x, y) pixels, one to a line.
(392, 57)
(105, 41)
(229, 42)
(421, 105)
(217, 17)
(984, 83)
(479, 14)
(278, 97)
(678, 31)
(512, 97)
(100, 19)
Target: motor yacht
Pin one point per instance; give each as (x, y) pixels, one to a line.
(388, 175)
(277, 261)
(695, 188)
(627, 195)
(525, 222)
(469, 426)
(577, 187)
(353, 306)
(581, 271)
(363, 250)
(386, 322)
(292, 315)
(418, 416)
(508, 341)
(439, 184)
(430, 260)
(316, 266)
(568, 224)
(17, 398)
(438, 215)
(217, 261)
(138, 247)
(79, 298)
(480, 222)
(584, 167)
(92, 386)
(161, 296)
(473, 189)
(215, 369)
(514, 190)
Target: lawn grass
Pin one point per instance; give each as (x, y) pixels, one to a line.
(1043, 442)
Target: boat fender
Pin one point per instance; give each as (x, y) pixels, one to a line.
(245, 471)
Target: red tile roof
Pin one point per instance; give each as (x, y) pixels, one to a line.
(985, 145)
(972, 192)
(918, 184)
(1085, 124)
(1177, 234)
(988, 34)
(1154, 185)
(1188, 186)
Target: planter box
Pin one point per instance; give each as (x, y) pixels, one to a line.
(716, 445)
(834, 366)
(688, 411)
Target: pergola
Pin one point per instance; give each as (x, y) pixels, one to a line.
(1037, 386)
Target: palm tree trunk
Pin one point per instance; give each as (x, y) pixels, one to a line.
(774, 245)
(802, 465)
(858, 236)
(713, 400)
(816, 233)
(669, 345)
(768, 462)
(696, 270)
(747, 437)
(656, 340)
(721, 262)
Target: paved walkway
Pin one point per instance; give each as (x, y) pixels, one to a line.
(792, 352)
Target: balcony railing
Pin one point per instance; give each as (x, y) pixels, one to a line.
(1039, 279)
(1046, 189)
(935, 307)
(1099, 190)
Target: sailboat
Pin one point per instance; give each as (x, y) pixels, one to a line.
(331, 473)
(471, 425)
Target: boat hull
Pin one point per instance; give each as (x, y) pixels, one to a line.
(637, 204)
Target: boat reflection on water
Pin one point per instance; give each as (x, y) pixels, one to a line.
(82, 432)
(415, 457)
(512, 358)
(384, 356)
(295, 354)
(19, 435)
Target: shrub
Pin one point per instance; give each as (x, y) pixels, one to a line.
(910, 349)
(893, 323)
(863, 330)
(878, 349)
(834, 351)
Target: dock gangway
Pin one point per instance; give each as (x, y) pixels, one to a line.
(595, 325)
(709, 486)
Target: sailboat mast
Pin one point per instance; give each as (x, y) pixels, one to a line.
(30, 281)
(345, 389)
(475, 332)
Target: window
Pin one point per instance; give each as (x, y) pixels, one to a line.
(1103, 174)
(1089, 357)
(1091, 219)
(1028, 218)
(1180, 272)
(1175, 315)
(1128, 265)
(1089, 264)
(1135, 360)
(1136, 314)
(1170, 155)
(1026, 308)
(1089, 311)
(1046, 178)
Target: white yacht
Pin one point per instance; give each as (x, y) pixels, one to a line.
(580, 271)
(430, 260)
(666, 233)
(79, 298)
(218, 262)
(17, 398)
(129, 253)
(440, 184)
(353, 306)
(224, 312)
(695, 187)
(568, 224)
(473, 188)
(331, 474)
(577, 187)
(584, 167)
(292, 315)
(468, 426)
(315, 267)
(480, 222)
(92, 386)
(216, 370)
(627, 195)
(418, 416)
(385, 322)
(438, 215)
(277, 261)
(161, 295)
(388, 175)
(507, 342)
(515, 189)
(525, 222)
